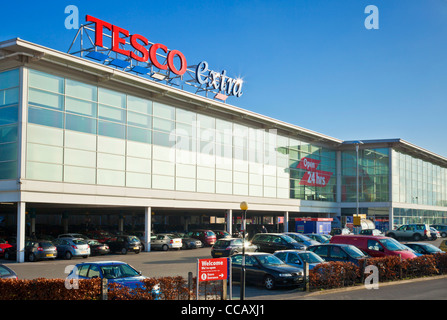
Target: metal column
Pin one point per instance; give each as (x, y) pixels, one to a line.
(147, 228)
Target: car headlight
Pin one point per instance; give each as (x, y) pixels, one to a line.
(285, 275)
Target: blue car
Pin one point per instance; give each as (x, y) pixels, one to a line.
(114, 271)
(297, 258)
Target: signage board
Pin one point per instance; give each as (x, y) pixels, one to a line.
(313, 177)
(212, 269)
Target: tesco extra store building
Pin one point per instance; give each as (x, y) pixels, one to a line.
(107, 136)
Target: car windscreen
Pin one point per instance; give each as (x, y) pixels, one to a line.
(431, 248)
(288, 239)
(269, 260)
(133, 239)
(392, 244)
(222, 244)
(354, 252)
(310, 257)
(118, 271)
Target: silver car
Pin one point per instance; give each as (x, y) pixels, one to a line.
(166, 241)
(72, 247)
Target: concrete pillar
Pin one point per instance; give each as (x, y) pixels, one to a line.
(286, 221)
(21, 216)
(147, 228)
(229, 221)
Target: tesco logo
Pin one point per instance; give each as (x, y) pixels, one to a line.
(139, 43)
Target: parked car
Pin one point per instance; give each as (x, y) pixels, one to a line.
(435, 234)
(371, 232)
(375, 246)
(424, 248)
(97, 248)
(321, 238)
(124, 244)
(297, 258)
(208, 237)
(336, 231)
(34, 250)
(301, 238)
(72, 247)
(226, 247)
(3, 246)
(166, 241)
(415, 231)
(188, 242)
(266, 269)
(442, 228)
(100, 235)
(338, 252)
(114, 271)
(7, 273)
(443, 245)
(271, 242)
(221, 234)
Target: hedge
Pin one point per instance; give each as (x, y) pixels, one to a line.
(324, 276)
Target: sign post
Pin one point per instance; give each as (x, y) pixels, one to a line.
(211, 270)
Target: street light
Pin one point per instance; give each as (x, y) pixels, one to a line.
(357, 144)
(244, 208)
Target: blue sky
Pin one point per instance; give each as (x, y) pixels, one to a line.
(311, 63)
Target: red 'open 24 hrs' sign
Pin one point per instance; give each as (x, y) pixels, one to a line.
(212, 269)
(313, 177)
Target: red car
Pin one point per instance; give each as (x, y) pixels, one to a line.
(3, 246)
(208, 237)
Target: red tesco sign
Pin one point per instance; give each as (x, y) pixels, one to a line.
(138, 42)
(212, 269)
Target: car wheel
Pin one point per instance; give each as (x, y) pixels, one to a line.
(68, 255)
(416, 237)
(165, 247)
(123, 251)
(269, 282)
(444, 234)
(31, 257)
(137, 252)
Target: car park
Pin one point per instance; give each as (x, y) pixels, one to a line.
(114, 271)
(72, 247)
(97, 248)
(424, 248)
(415, 231)
(271, 242)
(321, 238)
(297, 258)
(166, 241)
(35, 250)
(226, 247)
(442, 228)
(301, 238)
(266, 269)
(7, 273)
(188, 242)
(208, 237)
(375, 246)
(125, 243)
(339, 252)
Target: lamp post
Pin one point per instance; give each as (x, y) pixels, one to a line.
(244, 208)
(357, 143)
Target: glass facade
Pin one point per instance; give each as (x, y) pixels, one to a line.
(373, 175)
(82, 133)
(9, 118)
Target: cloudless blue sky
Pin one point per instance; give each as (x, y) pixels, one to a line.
(311, 63)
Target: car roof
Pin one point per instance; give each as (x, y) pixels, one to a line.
(291, 250)
(102, 262)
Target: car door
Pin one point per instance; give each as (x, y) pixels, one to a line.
(375, 249)
(337, 254)
(294, 259)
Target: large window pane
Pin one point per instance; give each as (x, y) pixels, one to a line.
(9, 96)
(81, 107)
(46, 99)
(139, 134)
(164, 111)
(79, 123)
(81, 90)
(139, 105)
(8, 151)
(46, 81)
(9, 79)
(8, 170)
(112, 98)
(163, 125)
(139, 120)
(110, 129)
(112, 114)
(8, 133)
(45, 117)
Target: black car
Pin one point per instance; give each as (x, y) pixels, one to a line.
(124, 244)
(267, 270)
(338, 252)
(271, 242)
(423, 248)
(34, 250)
(226, 247)
(97, 248)
(7, 273)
